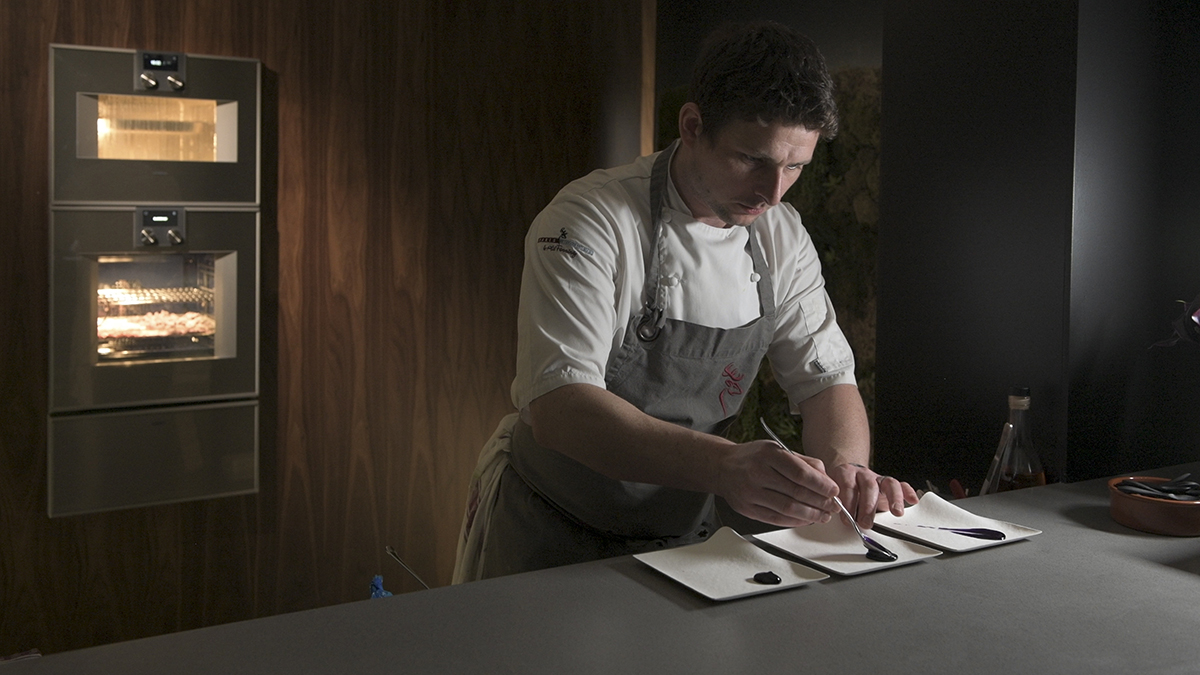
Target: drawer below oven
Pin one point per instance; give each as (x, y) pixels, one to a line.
(110, 460)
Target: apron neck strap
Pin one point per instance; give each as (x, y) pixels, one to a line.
(652, 314)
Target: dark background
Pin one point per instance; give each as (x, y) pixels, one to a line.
(1038, 228)
(849, 33)
(1038, 225)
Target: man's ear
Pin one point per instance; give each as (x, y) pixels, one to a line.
(691, 124)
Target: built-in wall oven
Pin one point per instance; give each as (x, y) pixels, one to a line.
(154, 278)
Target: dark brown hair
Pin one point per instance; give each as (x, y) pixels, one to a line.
(763, 71)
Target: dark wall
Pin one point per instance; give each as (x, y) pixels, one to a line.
(1115, 233)
(413, 144)
(1178, 49)
(1137, 215)
(1024, 235)
(978, 113)
(848, 32)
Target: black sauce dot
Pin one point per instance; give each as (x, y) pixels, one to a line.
(880, 556)
(767, 578)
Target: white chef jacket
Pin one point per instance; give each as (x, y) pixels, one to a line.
(585, 267)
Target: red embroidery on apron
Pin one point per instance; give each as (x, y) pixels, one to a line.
(733, 385)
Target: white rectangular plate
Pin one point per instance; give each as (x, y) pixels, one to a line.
(933, 511)
(835, 547)
(723, 567)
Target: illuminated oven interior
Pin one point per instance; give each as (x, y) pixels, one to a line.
(156, 128)
(156, 306)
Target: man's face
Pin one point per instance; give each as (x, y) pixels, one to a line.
(735, 177)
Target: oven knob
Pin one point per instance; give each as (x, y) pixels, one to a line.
(174, 237)
(148, 81)
(148, 238)
(176, 84)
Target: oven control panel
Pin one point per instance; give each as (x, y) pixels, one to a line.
(159, 71)
(160, 227)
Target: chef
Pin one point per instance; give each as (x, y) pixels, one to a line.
(650, 295)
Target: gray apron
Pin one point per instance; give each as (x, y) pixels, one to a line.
(552, 510)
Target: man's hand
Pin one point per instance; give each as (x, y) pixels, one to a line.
(836, 430)
(866, 493)
(763, 481)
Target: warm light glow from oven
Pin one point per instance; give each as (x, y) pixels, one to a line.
(156, 128)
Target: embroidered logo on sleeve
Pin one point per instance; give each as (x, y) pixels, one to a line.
(564, 244)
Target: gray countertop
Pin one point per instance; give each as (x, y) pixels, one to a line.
(1085, 596)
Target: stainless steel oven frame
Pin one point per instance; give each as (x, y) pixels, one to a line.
(154, 166)
(145, 431)
(81, 380)
(79, 75)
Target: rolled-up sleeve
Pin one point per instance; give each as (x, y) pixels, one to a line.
(809, 352)
(567, 314)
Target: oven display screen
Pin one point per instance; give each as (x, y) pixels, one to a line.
(160, 62)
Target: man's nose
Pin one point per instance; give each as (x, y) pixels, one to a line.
(772, 185)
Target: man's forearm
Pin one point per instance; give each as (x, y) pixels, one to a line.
(605, 433)
(609, 435)
(835, 426)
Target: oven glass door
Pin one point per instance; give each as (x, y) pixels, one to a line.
(157, 306)
(148, 320)
(113, 126)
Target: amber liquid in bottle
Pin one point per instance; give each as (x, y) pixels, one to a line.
(1016, 464)
(1021, 480)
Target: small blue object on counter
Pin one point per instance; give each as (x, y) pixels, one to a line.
(377, 588)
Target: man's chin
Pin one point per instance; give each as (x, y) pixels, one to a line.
(740, 219)
(742, 216)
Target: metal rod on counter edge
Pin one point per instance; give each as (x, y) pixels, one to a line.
(392, 552)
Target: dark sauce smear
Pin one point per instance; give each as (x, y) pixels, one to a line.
(976, 532)
(767, 578)
(880, 556)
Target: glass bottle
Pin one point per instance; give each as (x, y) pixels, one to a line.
(1016, 464)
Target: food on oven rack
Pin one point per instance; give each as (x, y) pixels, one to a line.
(124, 294)
(155, 324)
(122, 311)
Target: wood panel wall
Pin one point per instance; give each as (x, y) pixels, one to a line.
(413, 143)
